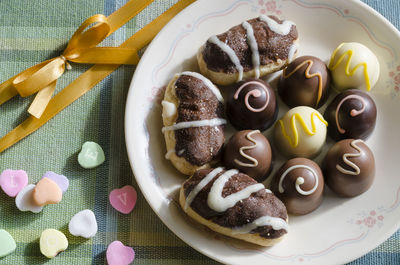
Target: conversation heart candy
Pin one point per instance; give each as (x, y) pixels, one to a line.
(13, 181)
(91, 155)
(118, 254)
(62, 181)
(52, 242)
(83, 224)
(24, 200)
(46, 192)
(7, 243)
(124, 199)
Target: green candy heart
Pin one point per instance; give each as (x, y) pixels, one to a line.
(91, 155)
(7, 245)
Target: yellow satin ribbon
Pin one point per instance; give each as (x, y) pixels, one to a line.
(81, 49)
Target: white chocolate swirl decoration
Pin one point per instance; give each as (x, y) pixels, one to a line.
(308, 76)
(281, 29)
(217, 203)
(255, 93)
(299, 180)
(231, 54)
(251, 40)
(249, 147)
(348, 162)
(353, 112)
(207, 82)
(191, 124)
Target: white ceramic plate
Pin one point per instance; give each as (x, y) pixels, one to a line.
(340, 230)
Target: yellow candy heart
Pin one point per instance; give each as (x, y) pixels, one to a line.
(52, 242)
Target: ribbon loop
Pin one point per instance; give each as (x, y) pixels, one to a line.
(85, 37)
(39, 76)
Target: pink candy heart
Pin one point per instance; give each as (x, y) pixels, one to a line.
(118, 254)
(124, 199)
(13, 181)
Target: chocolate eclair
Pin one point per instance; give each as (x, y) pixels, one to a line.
(234, 204)
(254, 48)
(193, 122)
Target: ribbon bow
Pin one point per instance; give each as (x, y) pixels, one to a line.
(81, 48)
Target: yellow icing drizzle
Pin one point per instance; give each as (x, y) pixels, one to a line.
(293, 126)
(349, 72)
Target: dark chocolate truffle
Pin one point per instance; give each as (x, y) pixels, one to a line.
(250, 152)
(351, 114)
(252, 105)
(299, 183)
(349, 167)
(305, 82)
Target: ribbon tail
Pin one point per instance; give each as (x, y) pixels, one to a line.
(7, 90)
(41, 100)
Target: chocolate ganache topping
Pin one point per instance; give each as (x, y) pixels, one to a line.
(349, 167)
(256, 205)
(197, 102)
(272, 45)
(351, 114)
(252, 105)
(299, 183)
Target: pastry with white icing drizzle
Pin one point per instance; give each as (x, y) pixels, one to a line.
(234, 204)
(250, 152)
(254, 48)
(299, 183)
(351, 114)
(349, 167)
(193, 122)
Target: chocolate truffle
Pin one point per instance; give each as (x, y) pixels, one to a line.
(301, 132)
(305, 82)
(353, 65)
(250, 152)
(299, 184)
(349, 167)
(252, 105)
(351, 114)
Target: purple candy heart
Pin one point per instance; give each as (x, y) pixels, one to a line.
(62, 181)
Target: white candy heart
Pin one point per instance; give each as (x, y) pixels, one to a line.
(24, 200)
(83, 224)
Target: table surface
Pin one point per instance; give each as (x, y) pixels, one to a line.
(31, 31)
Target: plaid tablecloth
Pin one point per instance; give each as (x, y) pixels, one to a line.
(31, 31)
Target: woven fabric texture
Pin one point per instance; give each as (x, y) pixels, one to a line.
(32, 31)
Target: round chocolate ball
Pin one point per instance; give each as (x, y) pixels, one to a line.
(252, 105)
(349, 167)
(351, 114)
(301, 132)
(299, 184)
(305, 82)
(249, 152)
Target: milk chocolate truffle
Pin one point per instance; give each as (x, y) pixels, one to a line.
(299, 183)
(301, 132)
(252, 105)
(250, 152)
(349, 167)
(351, 114)
(305, 82)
